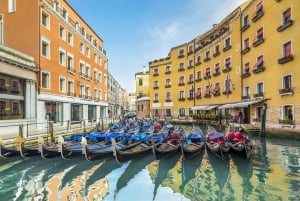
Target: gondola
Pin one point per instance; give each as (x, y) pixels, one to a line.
(171, 144)
(239, 143)
(103, 149)
(48, 149)
(216, 142)
(194, 142)
(27, 149)
(8, 150)
(128, 153)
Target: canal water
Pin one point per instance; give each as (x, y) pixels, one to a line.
(272, 173)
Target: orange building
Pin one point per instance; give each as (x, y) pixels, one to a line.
(72, 64)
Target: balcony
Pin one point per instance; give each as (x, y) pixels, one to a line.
(190, 66)
(167, 86)
(96, 80)
(181, 56)
(246, 97)
(180, 69)
(198, 63)
(216, 54)
(198, 97)
(190, 52)
(156, 87)
(15, 90)
(181, 84)
(258, 42)
(244, 51)
(168, 72)
(70, 69)
(181, 99)
(258, 69)
(245, 75)
(257, 15)
(245, 27)
(156, 74)
(227, 92)
(258, 95)
(217, 93)
(72, 94)
(285, 25)
(216, 74)
(198, 80)
(190, 82)
(227, 47)
(207, 59)
(82, 74)
(207, 95)
(287, 122)
(96, 99)
(190, 98)
(286, 91)
(285, 59)
(227, 69)
(168, 100)
(3, 89)
(207, 77)
(156, 101)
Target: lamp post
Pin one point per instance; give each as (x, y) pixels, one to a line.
(263, 120)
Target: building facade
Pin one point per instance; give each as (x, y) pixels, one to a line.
(142, 94)
(72, 75)
(245, 62)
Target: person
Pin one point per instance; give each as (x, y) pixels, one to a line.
(240, 115)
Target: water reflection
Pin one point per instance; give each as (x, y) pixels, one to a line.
(272, 173)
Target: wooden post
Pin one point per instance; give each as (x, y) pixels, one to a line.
(263, 121)
(51, 130)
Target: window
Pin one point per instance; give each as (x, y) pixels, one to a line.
(286, 16)
(11, 6)
(70, 88)
(181, 80)
(259, 7)
(65, 14)
(228, 62)
(198, 75)
(2, 107)
(15, 108)
(198, 59)
(62, 57)
(54, 111)
(287, 82)
(87, 53)
(62, 84)
(1, 29)
(259, 61)
(191, 49)
(105, 79)
(168, 96)
(227, 43)
(287, 49)
(217, 87)
(168, 69)
(246, 20)
(228, 85)
(191, 93)
(260, 33)
(140, 82)
(217, 49)
(181, 53)
(181, 112)
(70, 63)
(181, 94)
(198, 92)
(168, 113)
(62, 32)
(260, 88)
(81, 69)
(70, 38)
(207, 72)
(45, 48)
(155, 71)
(191, 78)
(207, 90)
(87, 71)
(156, 83)
(156, 97)
(82, 48)
(247, 67)
(181, 66)
(217, 68)
(168, 82)
(2, 85)
(287, 112)
(45, 20)
(246, 43)
(207, 55)
(191, 63)
(45, 80)
(15, 86)
(247, 91)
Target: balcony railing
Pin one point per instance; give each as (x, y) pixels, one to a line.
(208, 95)
(15, 90)
(71, 94)
(181, 84)
(3, 89)
(285, 25)
(207, 59)
(198, 97)
(216, 54)
(227, 69)
(227, 47)
(181, 99)
(227, 92)
(257, 15)
(198, 80)
(285, 59)
(155, 74)
(180, 69)
(198, 63)
(216, 74)
(217, 93)
(207, 77)
(168, 72)
(245, 75)
(167, 86)
(155, 87)
(259, 94)
(258, 69)
(285, 91)
(70, 69)
(245, 27)
(258, 42)
(244, 51)
(245, 97)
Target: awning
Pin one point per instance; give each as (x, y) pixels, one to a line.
(210, 107)
(239, 104)
(199, 107)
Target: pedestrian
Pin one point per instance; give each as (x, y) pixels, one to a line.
(240, 115)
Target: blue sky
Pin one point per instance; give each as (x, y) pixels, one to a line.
(136, 32)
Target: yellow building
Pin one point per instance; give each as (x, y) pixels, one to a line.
(142, 94)
(231, 67)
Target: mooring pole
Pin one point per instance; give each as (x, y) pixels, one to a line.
(263, 120)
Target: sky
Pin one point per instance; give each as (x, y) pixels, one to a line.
(136, 32)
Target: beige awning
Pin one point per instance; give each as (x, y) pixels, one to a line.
(239, 104)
